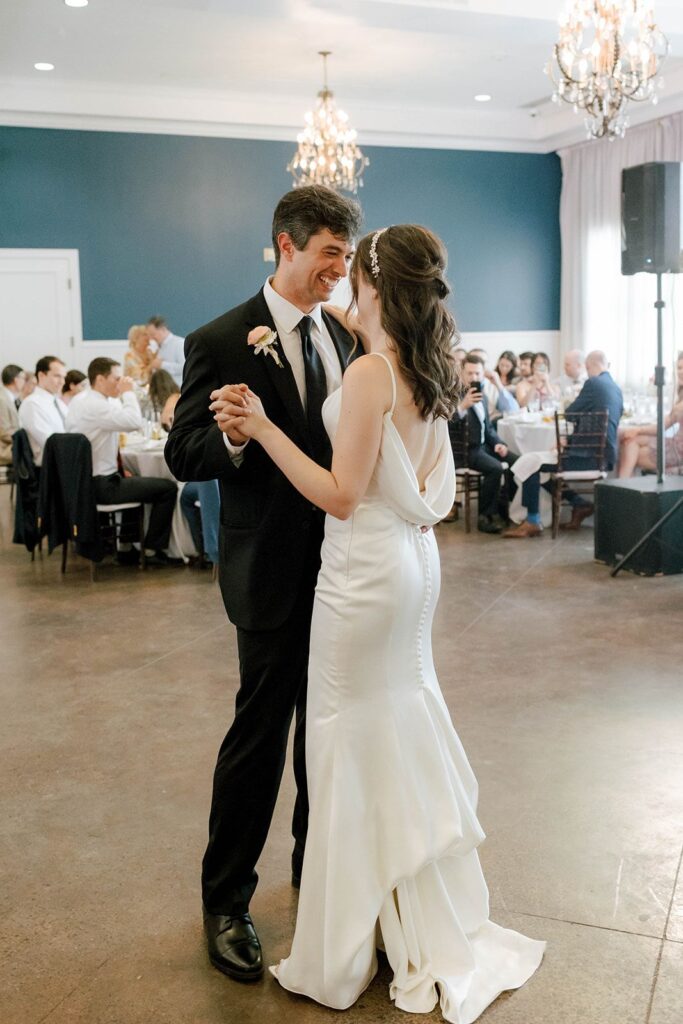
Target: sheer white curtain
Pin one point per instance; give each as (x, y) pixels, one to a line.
(599, 307)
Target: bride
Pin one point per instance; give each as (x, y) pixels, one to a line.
(390, 857)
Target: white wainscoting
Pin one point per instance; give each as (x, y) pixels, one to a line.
(115, 349)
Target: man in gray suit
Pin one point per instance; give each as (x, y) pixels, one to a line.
(13, 380)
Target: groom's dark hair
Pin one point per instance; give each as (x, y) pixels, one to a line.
(305, 211)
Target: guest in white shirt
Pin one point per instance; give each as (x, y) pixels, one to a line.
(109, 408)
(171, 354)
(574, 376)
(13, 380)
(42, 413)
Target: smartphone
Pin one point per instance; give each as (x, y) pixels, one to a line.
(477, 385)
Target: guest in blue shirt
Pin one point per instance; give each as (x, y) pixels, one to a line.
(599, 394)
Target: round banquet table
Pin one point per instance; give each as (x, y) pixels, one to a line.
(530, 434)
(146, 458)
(524, 434)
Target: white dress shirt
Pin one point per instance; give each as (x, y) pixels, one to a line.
(172, 355)
(101, 419)
(286, 318)
(40, 416)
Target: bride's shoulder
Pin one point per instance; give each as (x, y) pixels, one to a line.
(367, 376)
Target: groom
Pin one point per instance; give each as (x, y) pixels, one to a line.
(270, 539)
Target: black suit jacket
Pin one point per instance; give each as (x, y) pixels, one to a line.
(491, 438)
(267, 527)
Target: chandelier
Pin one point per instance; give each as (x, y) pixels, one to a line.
(327, 153)
(609, 52)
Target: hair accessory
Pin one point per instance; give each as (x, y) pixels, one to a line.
(374, 262)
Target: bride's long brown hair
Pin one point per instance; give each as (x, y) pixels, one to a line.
(412, 290)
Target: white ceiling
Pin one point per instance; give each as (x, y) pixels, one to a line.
(406, 71)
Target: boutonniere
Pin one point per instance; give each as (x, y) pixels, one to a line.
(264, 340)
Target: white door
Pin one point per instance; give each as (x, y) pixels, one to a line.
(40, 310)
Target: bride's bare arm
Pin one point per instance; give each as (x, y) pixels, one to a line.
(366, 396)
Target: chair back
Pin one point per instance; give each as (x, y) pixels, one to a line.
(67, 494)
(26, 514)
(587, 440)
(459, 433)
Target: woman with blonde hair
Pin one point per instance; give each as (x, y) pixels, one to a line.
(137, 362)
(393, 831)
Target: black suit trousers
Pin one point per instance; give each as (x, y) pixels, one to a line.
(159, 493)
(491, 499)
(273, 677)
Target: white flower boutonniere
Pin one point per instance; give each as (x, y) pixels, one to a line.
(263, 340)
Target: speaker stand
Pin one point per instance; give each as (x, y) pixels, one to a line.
(660, 374)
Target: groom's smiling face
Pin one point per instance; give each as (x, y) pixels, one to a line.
(312, 273)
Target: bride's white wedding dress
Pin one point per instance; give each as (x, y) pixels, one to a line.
(391, 855)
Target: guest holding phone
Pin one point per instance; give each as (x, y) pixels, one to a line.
(486, 450)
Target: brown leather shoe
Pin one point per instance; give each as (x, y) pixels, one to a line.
(525, 529)
(579, 513)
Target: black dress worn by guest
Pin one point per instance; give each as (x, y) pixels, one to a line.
(269, 561)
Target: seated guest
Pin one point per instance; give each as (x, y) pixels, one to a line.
(538, 387)
(599, 394)
(13, 379)
(507, 371)
(204, 522)
(458, 355)
(574, 376)
(74, 384)
(524, 364)
(42, 413)
(101, 414)
(161, 387)
(171, 354)
(499, 399)
(486, 450)
(638, 448)
(138, 360)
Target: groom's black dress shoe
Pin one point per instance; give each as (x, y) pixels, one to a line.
(296, 880)
(233, 946)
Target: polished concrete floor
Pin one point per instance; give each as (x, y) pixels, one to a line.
(565, 686)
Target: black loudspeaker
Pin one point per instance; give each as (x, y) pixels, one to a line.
(651, 239)
(625, 510)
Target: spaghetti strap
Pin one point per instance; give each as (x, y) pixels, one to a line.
(393, 379)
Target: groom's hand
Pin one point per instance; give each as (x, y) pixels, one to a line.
(229, 401)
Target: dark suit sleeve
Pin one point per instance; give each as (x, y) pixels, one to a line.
(585, 400)
(490, 434)
(195, 449)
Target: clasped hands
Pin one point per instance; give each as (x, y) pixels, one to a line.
(238, 412)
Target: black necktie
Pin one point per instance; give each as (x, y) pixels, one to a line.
(316, 393)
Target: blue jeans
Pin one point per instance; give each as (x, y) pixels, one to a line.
(531, 488)
(203, 521)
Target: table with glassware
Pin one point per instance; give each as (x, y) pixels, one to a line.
(143, 455)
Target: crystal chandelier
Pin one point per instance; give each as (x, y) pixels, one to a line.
(327, 152)
(609, 52)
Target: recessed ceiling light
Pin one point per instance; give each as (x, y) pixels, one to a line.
(42, 66)
(482, 97)
(76, 3)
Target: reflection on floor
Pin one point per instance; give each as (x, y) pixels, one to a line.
(565, 687)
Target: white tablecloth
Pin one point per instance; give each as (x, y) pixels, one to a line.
(146, 458)
(522, 436)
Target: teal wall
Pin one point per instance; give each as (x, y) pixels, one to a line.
(176, 224)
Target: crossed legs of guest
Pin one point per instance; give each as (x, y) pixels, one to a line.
(531, 497)
(273, 676)
(493, 501)
(161, 494)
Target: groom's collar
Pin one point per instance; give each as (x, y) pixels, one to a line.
(285, 314)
